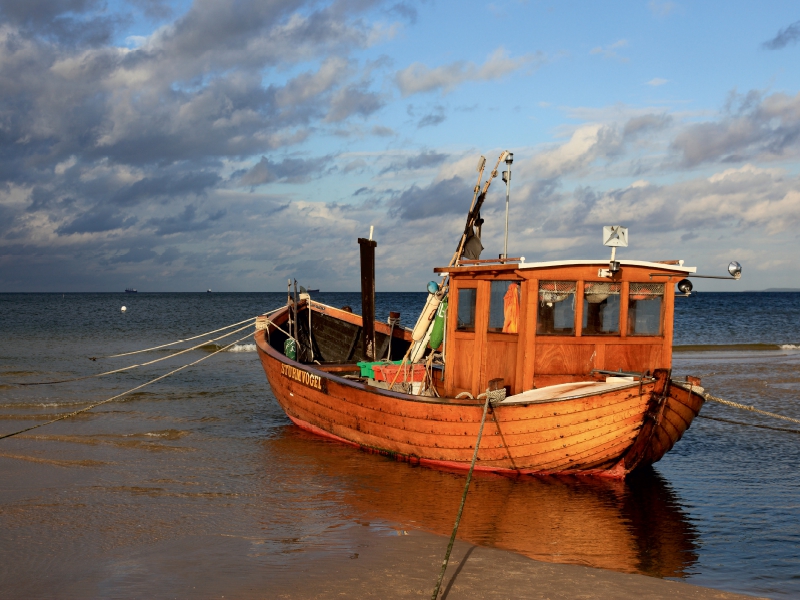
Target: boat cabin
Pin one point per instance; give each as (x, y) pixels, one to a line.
(546, 323)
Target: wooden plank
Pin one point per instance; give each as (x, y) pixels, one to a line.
(531, 299)
(579, 308)
(600, 360)
(668, 324)
(481, 327)
(461, 368)
(339, 368)
(556, 359)
(623, 309)
(633, 358)
(519, 359)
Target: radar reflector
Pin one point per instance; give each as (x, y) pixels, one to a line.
(615, 236)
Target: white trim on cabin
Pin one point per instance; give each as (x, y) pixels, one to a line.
(600, 262)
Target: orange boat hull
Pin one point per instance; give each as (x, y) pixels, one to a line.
(607, 434)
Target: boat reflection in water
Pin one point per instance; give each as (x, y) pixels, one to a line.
(632, 526)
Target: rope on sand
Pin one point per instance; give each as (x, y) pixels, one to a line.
(130, 367)
(138, 387)
(749, 408)
(463, 500)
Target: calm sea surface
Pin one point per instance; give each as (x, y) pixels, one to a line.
(200, 478)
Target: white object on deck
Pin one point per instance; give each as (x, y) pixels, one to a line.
(124, 308)
(567, 391)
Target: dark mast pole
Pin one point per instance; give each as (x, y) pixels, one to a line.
(368, 296)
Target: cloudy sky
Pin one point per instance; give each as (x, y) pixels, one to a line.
(184, 145)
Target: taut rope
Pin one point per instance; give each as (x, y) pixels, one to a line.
(189, 339)
(784, 429)
(463, 500)
(750, 408)
(128, 368)
(138, 387)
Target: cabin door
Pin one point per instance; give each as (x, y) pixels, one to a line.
(483, 334)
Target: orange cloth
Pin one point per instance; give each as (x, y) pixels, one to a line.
(511, 309)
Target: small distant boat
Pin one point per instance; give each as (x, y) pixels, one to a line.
(208, 291)
(313, 291)
(130, 291)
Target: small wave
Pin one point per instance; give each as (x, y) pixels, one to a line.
(243, 348)
(734, 347)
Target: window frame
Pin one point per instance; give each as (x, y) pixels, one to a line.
(629, 325)
(575, 294)
(474, 290)
(499, 330)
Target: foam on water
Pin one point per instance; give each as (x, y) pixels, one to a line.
(243, 348)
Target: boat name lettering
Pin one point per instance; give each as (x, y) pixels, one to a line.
(304, 377)
(320, 307)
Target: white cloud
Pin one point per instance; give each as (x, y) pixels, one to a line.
(657, 81)
(418, 78)
(586, 144)
(662, 9)
(610, 51)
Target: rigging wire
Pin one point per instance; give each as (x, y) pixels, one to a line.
(138, 387)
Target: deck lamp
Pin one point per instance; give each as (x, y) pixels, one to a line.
(507, 181)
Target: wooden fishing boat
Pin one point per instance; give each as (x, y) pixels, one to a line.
(582, 351)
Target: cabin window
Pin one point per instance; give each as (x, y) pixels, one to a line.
(504, 306)
(466, 309)
(556, 308)
(601, 308)
(644, 308)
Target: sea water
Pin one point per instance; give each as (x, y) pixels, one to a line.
(201, 478)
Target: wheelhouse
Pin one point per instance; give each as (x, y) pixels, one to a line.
(547, 323)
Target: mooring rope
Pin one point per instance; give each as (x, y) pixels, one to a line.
(130, 367)
(463, 501)
(189, 339)
(784, 429)
(750, 408)
(138, 387)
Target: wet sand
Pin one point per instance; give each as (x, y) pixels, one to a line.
(71, 531)
(404, 565)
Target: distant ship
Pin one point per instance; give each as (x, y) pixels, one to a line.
(208, 291)
(313, 291)
(130, 291)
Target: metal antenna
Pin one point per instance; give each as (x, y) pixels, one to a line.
(507, 179)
